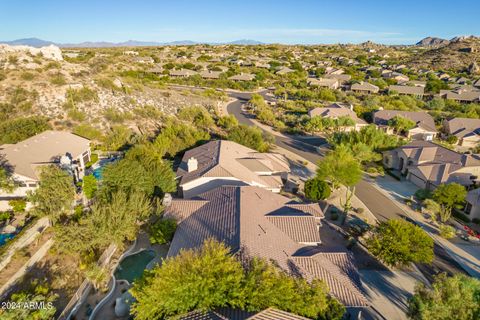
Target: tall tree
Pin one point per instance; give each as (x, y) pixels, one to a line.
(341, 168)
(449, 196)
(54, 197)
(401, 124)
(203, 280)
(452, 298)
(398, 242)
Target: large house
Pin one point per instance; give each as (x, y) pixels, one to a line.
(25, 159)
(182, 73)
(424, 124)
(466, 130)
(415, 91)
(242, 77)
(254, 222)
(463, 95)
(364, 87)
(323, 83)
(427, 165)
(335, 111)
(222, 162)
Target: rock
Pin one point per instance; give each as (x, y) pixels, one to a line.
(9, 229)
(473, 68)
(118, 83)
(50, 52)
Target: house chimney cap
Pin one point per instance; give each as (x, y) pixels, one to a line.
(192, 164)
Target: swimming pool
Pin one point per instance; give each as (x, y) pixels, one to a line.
(4, 237)
(97, 172)
(132, 267)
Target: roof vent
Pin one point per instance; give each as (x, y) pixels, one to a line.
(192, 164)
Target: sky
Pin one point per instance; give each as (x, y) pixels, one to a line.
(290, 22)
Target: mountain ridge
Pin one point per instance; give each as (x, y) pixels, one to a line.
(36, 42)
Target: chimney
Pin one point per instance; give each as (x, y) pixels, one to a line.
(167, 200)
(192, 164)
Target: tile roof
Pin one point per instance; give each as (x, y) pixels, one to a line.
(335, 113)
(364, 86)
(438, 164)
(256, 222)
(44, 148)
(413, 90)
(338, 272)
(421, 119)
(234, 314)
(222, 158)
(463, 127)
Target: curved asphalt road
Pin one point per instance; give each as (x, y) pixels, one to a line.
(382, 207)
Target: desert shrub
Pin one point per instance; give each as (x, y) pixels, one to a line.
(446, 231)
(162, 231)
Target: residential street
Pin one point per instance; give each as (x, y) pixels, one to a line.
(383, 207)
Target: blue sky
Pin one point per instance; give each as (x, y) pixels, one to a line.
(300, 21)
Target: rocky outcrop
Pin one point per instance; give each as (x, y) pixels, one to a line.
(432, 42)
(473, 68)
(50, 52)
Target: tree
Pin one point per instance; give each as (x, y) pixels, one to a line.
(142, 169)
(398, 242)
(97, 275)
(117, 138)
(316, 189)
(227, 122)
(176, 137)
(211, 277)
(452, 298)
(204, 279)
(111, 220)
(401, 124)
(89, 186)
(6, 181)
(341, 168)
(162, 232)
(54, 197)
(449, 196)
(15, 130)
(199, 116)
(250, 137)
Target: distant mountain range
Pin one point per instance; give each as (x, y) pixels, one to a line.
(35, 42)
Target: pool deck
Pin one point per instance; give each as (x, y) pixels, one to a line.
(107, 311)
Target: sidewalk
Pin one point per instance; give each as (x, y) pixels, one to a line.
(464, 253)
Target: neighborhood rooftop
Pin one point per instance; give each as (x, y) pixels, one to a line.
(47, 147)
(255, 222)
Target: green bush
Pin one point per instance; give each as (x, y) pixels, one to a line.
(422, 194)
(93, 160)
(317, 189)
(476, 220)
(162, 232)
(446, 231)
(89, 186)
(15, 130)
(5, 216)
(18, 205)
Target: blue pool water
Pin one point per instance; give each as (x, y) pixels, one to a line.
(4, 237)
(132, 267)
(97, 173)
